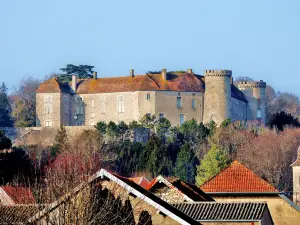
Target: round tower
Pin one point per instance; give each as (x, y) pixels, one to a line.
(255, 92)
(217, 95)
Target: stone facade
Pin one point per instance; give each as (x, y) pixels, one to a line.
(204, 98)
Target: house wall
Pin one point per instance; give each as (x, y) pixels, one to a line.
(296, 184)
(41, 116)
(105, 108)
(166, 103)
(281, 211)
(238, 110)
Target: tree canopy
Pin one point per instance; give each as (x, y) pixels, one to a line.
(5, 108)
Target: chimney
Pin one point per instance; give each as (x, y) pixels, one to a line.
(132, 73)
(74, 83)
(190, 70)
(164, 74)
(95, 75)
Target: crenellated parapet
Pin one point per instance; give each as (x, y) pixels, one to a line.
(219, 73)
(251, 84)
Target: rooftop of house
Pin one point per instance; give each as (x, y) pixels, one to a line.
(176, 81)
(188, 191)
(224, 211)
(237, 178)
(142, 181)
(130, 187)
(19, 195)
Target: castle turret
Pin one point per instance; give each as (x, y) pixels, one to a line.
(217, 95)
(255, 93)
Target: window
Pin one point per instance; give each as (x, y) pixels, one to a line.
(79, 123)
(148, 96)
(48, 98)
(179, 104)
(79, 99)
(93, 103)
(193, 103)
(93, 115)
(102, 104)
(120, 104)
(181, 119)
(258, 113)
(161, 115)
(48, 123)
(48, 108)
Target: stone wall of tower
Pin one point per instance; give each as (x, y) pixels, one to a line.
(255, 93)
(217, 96)
(48, 109)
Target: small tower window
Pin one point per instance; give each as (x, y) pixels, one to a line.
(93, 103)
(193, 103)
(181, 119)
(161, 115)
(179, 102)
(258, 113)
(148, 96)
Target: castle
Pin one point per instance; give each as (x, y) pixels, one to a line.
(177, 96)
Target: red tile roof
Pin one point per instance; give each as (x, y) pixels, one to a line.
(146, 82)
(142, 181)
(20, 195)
(237, 178)
(52, 86)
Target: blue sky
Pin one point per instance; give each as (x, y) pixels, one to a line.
(255, 38)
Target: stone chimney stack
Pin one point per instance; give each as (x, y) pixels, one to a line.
(74, 83)
(164, 74)
(296, 179)
(95, 75)
(190, 70)
(132, 73)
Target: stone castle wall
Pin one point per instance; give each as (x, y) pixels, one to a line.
(217, 96)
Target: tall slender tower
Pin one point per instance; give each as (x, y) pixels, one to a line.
(255, 93)
(217, 95)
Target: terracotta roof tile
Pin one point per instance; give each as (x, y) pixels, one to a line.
(142, 181)
(20, 195)
(146, 82)
(52, 86)
(237, 178)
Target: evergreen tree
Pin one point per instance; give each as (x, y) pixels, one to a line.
(212, 163)
(112, 130)
(122, 128)
(61, 143)
(101, 127)
(281, 120)
(134, 124)
(5, 142)
(5, 109)
(154, 158)
(148, 121)
(185, 166)
(162, 128)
